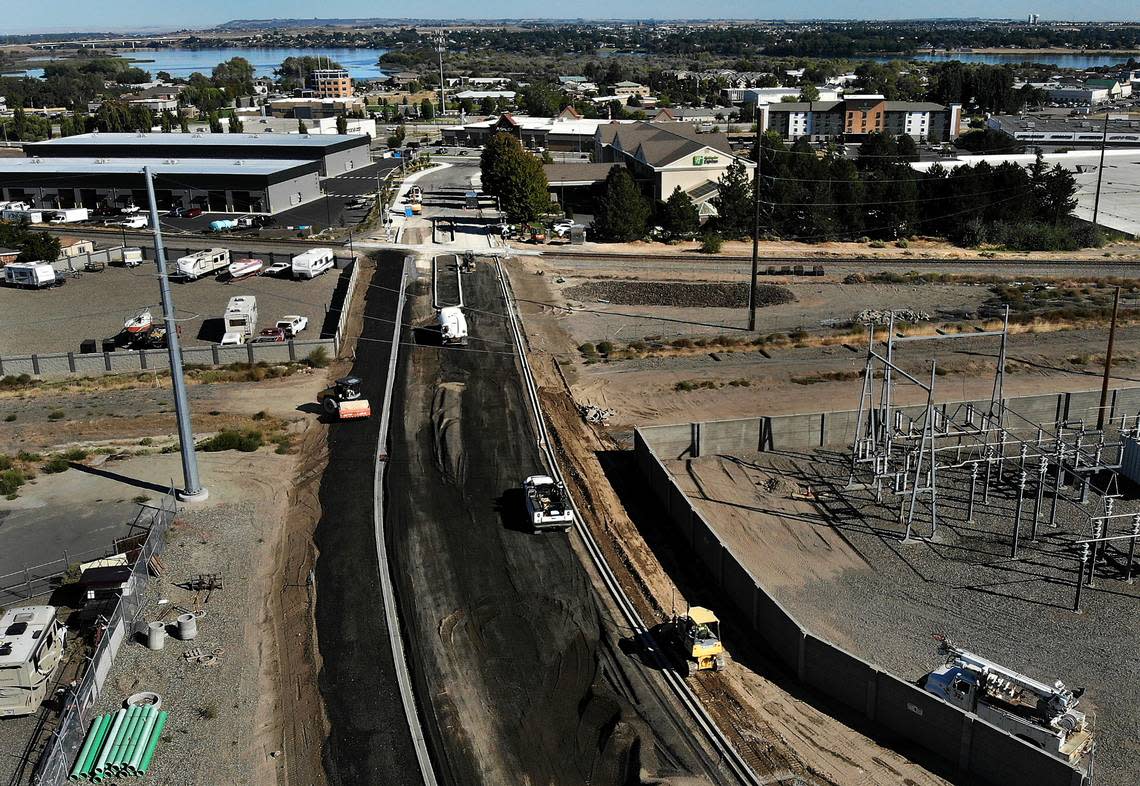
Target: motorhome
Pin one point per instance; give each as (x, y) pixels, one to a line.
(30, 275)
(202, 263)
(241, 315)
(313, 262)
(31, 645)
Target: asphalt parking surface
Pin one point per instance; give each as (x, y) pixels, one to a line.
(369, 742)
(516, 668)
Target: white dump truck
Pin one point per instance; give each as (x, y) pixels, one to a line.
(313, 262)
(31, 646)
(30, 275)
(452, 325)
(1042, 715)
(202, 263)
(547, 504)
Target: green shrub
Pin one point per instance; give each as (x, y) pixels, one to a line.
(799, 334)
(229, 439)
(10, 481)
(711, 243)
(5, 462)
(26, 455)
(10, 417)
(318, 358)
(56, 414)
(902, 243)
(878, 244)
(588, 349)
(605, 347)
(55, 464)
(260, 415)
(638, 346)
(75, 454)
(682, 343)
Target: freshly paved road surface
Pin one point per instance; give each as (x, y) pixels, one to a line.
(512, 654)
(369, 741)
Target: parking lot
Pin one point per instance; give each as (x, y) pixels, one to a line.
(95, 305)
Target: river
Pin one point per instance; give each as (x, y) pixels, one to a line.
(361, 63)
(1056, 59)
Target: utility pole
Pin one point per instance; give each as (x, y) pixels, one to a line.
(1100, 169)
(755, 228)
(439, 48)
(1108, 361)
(193, 491)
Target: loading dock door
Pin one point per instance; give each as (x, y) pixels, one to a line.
(216, 201)
(243, 202)
(88, 198)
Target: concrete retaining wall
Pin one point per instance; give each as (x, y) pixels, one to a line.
(972, 745)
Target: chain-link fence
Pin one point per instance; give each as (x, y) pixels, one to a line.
(78, 705)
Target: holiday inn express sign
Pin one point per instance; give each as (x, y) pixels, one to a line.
(705, 159)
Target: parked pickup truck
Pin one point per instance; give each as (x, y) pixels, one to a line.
(547, 504)
(292, 324)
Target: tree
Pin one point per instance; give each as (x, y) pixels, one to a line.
(167, 121)
(622, 210)
(215, 123)
(132, 76)
(679, 215)
(907, 149)
(341, 124)
(541, 100)
(515, 177)
(183, 124)
(235, 76)
(236, 126)
(733, 201)
(301, 127)
(39, 247)
(1058, 197)
(809, 92)
(427, 109)
(487, 105)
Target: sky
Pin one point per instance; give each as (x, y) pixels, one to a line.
(98, 15)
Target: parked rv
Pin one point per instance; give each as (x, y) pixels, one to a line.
(241, 315)
(313, 262)
(31, 646)
(202, 263)
(30, 275)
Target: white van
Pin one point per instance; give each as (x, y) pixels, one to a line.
(313, 262)
(202, 263)
(241, 315)
(31, 275)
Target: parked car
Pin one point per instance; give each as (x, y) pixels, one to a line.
(292, 324)
(273, 335)
(278, 270)
(192, 212)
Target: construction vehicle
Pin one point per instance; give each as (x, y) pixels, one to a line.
(452, 325)
(1042, 715)
(344, 400)
(31, 646)
(547, 504)
(695, 636)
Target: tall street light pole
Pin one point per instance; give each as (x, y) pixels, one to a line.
(755, 229)
(1100, 169)
(442, 102)
(193, 490)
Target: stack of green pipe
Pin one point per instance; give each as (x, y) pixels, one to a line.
(119, 744)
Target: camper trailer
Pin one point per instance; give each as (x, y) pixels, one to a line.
(202, 263)
(241, 315)
(313, 262)
(30, 275)
(31, 643)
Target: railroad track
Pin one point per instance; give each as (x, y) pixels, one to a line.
(728, 754)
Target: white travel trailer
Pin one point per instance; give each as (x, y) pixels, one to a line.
(241, 315)
(202, 263)
(30, 275)
(313, 262)
(31, 643)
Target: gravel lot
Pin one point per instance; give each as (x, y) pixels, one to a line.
(95, 305)
(964, 585)
(657, 293)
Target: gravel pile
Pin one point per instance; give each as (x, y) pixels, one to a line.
(661, 293)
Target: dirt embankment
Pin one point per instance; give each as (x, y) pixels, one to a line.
(676, 294)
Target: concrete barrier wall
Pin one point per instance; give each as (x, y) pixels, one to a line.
(962, 739)
(62, 364)
(816, 429)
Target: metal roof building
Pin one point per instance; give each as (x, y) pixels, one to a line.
(335, 153)
(214, 185)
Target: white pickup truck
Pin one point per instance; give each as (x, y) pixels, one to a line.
(547, 504)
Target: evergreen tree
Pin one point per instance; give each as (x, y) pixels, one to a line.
(215, 123)
(622, 210)
(236, 126)
(427, 109)
(167, 121)
(183, 124)
(733, 201)
(1059, 196)
(679, 215)
(301, 127)
(515, 177)
(341, 124)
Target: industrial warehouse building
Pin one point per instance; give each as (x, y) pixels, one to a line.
(212, 184)
(334, 154)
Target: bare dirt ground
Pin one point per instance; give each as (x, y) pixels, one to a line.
(780, 730)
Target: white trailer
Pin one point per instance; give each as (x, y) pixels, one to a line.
(1042, 715)
(31, 646)
(547, 505)
(30, 275)
(313, 262)
(241, 315)
(70, 215)
(452, 325)
(22, 216)
(202, 263)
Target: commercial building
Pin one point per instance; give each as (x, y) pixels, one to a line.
(568, 132)
(665, 156)
(1079, 94)
(330, 83)
(334, 154)
(855, 117)
(314, 108)
(212, 184)
(259, 124)
(772, 95)
(479, 95)
(1069, 131)
(630, 89)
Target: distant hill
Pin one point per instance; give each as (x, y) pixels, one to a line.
(272, 24)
